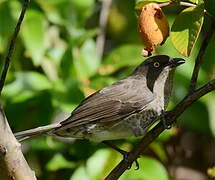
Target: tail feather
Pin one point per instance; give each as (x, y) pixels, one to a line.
(23, 135)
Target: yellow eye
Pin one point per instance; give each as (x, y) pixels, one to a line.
(156, 64)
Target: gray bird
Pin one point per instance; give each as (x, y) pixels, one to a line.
(126, 108)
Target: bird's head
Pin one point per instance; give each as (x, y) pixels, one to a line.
(158, 69)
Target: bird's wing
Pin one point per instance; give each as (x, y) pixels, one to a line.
(112, 103)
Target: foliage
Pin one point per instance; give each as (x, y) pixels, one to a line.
(55, 65)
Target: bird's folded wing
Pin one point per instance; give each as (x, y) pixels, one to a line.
(112, 103)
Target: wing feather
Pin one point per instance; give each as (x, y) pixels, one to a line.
(112, 103)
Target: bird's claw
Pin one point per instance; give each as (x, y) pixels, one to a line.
(125, 158)
(166, 126)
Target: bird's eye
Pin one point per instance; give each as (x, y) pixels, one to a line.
(156, 64)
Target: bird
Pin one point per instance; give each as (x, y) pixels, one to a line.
(127, 108)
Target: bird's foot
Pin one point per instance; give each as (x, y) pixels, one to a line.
(124, 153)
(126, 159)
(163, 120)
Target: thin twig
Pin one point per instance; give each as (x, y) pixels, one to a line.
(100, 41)
(12, 45)
(181, 3)
(199, 58)
(170, 117)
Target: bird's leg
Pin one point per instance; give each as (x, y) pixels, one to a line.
(124, 153)
(163, 120)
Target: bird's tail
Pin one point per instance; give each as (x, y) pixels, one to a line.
(31, 133)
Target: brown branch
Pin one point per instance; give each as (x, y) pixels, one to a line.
(12, 45)
(170, 117)
(199, 58)
(12, 162)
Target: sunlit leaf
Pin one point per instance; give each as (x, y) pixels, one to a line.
(51, 12)
(33, 35)
(80, 173)
(211, 172)
(67, 95)
(125, 55)
(59, 162)
(100, 157)
(86, 60)
(26, 84)
(186, 28)
(150, 169)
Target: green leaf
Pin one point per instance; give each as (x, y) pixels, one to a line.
(59, 162)
(6, 24)
(101, 158)
(51, 12)
(67, 95)
(158, 149)
(25, 85)
(33, 35)
(125, 55)
(80, 173)
(186, 28)
(151, 169)
(86, 60)
(140, 3)
(209, 101)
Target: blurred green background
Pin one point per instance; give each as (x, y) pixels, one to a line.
(56, 64)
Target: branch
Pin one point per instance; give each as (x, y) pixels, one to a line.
(12, 162)
(12, 45)
(100, 41)
(170, 117)
(199, 58)
(181, 3)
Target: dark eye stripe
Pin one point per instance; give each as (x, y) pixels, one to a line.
(151, 76)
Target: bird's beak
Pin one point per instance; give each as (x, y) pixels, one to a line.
(174, 62)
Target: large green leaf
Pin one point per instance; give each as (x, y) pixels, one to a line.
(33, 35)
(186, 28)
